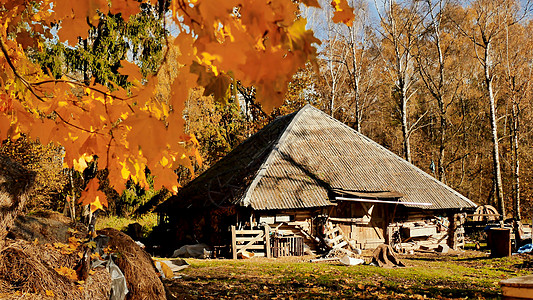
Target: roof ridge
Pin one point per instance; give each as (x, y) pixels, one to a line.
(417, 169)
(245, 200)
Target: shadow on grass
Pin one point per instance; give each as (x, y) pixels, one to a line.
(475, 258)
(447, 292)
(527, 264)
(447, 258)
(261, 288)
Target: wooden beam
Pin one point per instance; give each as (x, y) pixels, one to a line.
(267, 241)
(362, 221)
(241, 248)
(252, 241)
(233, 242)
(249, 231)
(382, 201)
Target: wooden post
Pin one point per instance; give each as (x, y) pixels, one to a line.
(451, 232)
(267, 241)
(233, 242)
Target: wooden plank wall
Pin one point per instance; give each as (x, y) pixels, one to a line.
(361, 222)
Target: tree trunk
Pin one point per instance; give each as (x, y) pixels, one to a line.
(442, 109)
(405, 126)
(355, 81)
(440, 160)
(516, 160)
(70, 204)
(498, 189)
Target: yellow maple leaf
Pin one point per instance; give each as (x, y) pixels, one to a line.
(49, 293)
(96, 255)
(67, 272)
(166, 270)
(81, 163)
(96, 205)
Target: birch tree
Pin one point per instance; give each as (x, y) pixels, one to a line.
(487, 22)
(358, 62)
(441, 68)
(399, 27)
(516, 76)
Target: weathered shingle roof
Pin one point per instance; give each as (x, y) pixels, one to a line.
(298, 160)
(226, 181)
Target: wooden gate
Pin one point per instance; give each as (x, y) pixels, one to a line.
(245, 240)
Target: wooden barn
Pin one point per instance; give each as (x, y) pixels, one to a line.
(307, 180)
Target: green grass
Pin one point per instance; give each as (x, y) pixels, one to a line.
(148, 221)
(458, 277)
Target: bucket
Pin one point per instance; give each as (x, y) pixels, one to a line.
(500, 242)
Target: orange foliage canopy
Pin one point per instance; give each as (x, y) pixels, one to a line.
(259, 42)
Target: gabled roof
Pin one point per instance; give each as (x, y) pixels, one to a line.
(300, 160)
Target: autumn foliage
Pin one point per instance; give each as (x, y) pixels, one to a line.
(261, 43)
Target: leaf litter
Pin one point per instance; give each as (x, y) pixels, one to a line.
(426, 276)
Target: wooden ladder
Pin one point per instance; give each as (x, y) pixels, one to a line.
(337, 241)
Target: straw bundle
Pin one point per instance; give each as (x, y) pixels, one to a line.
(15, 184)
(137, 266)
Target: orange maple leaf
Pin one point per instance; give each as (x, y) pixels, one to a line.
(92, 196)
(343, 12)
(165, 177)
(130, 69)
(146, 134)
(313, 3)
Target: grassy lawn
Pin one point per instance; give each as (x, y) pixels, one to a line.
(147, 221)
(467, 275)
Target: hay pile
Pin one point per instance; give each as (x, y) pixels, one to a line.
(137, 265)
(29, 269)
(15, 184)
(35, 250)
(38, 246)
(39, 254)
(46, 227)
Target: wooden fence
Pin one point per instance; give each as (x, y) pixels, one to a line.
(287, 246)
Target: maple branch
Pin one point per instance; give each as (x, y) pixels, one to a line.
(109, 149)
(75, 126)
(183, 7)
(10, 63)
(80, 84)
(30, 86)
